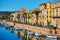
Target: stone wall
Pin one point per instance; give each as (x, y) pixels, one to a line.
(40, 30)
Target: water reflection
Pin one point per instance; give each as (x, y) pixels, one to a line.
(7, 35)
(10, 35)
(50, 39)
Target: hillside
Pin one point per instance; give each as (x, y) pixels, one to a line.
(5, 13)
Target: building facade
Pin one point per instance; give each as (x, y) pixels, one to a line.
(53, 13)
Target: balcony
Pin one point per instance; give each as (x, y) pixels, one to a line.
(56, 16)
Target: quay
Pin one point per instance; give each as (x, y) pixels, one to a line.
(40, 30)
(48, 32)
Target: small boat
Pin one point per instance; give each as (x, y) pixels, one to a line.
(51, 36)
(18, 29)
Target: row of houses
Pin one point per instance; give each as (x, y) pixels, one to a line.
(46, 14)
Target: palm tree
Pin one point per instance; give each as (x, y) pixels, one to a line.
(12, 17)
(3, 17)
(25, 17)
(28, 18)
(18, 16)
(36, 12)
(7, 17)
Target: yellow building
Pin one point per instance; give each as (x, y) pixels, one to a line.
(43, 18)
(53, 13)
(48, 7)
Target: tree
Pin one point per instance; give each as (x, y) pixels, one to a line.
(7, 17)
(3, 17)
(25, 17)
(12, 17)
(36, 12)
(18, 16)
(28, 17)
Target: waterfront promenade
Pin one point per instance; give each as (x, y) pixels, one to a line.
(40, 30)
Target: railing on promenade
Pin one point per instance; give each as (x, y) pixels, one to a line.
(40, 30)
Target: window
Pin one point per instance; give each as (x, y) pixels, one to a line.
(56, 11)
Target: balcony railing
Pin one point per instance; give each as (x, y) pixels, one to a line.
(56, 16)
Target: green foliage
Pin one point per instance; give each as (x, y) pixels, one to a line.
(18, 16)
(24, 14)
(6, 17)
(3, 17)
(37, 12)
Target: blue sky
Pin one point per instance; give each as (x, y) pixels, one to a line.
(14, 5)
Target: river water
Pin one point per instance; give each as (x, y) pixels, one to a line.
(7, 35)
